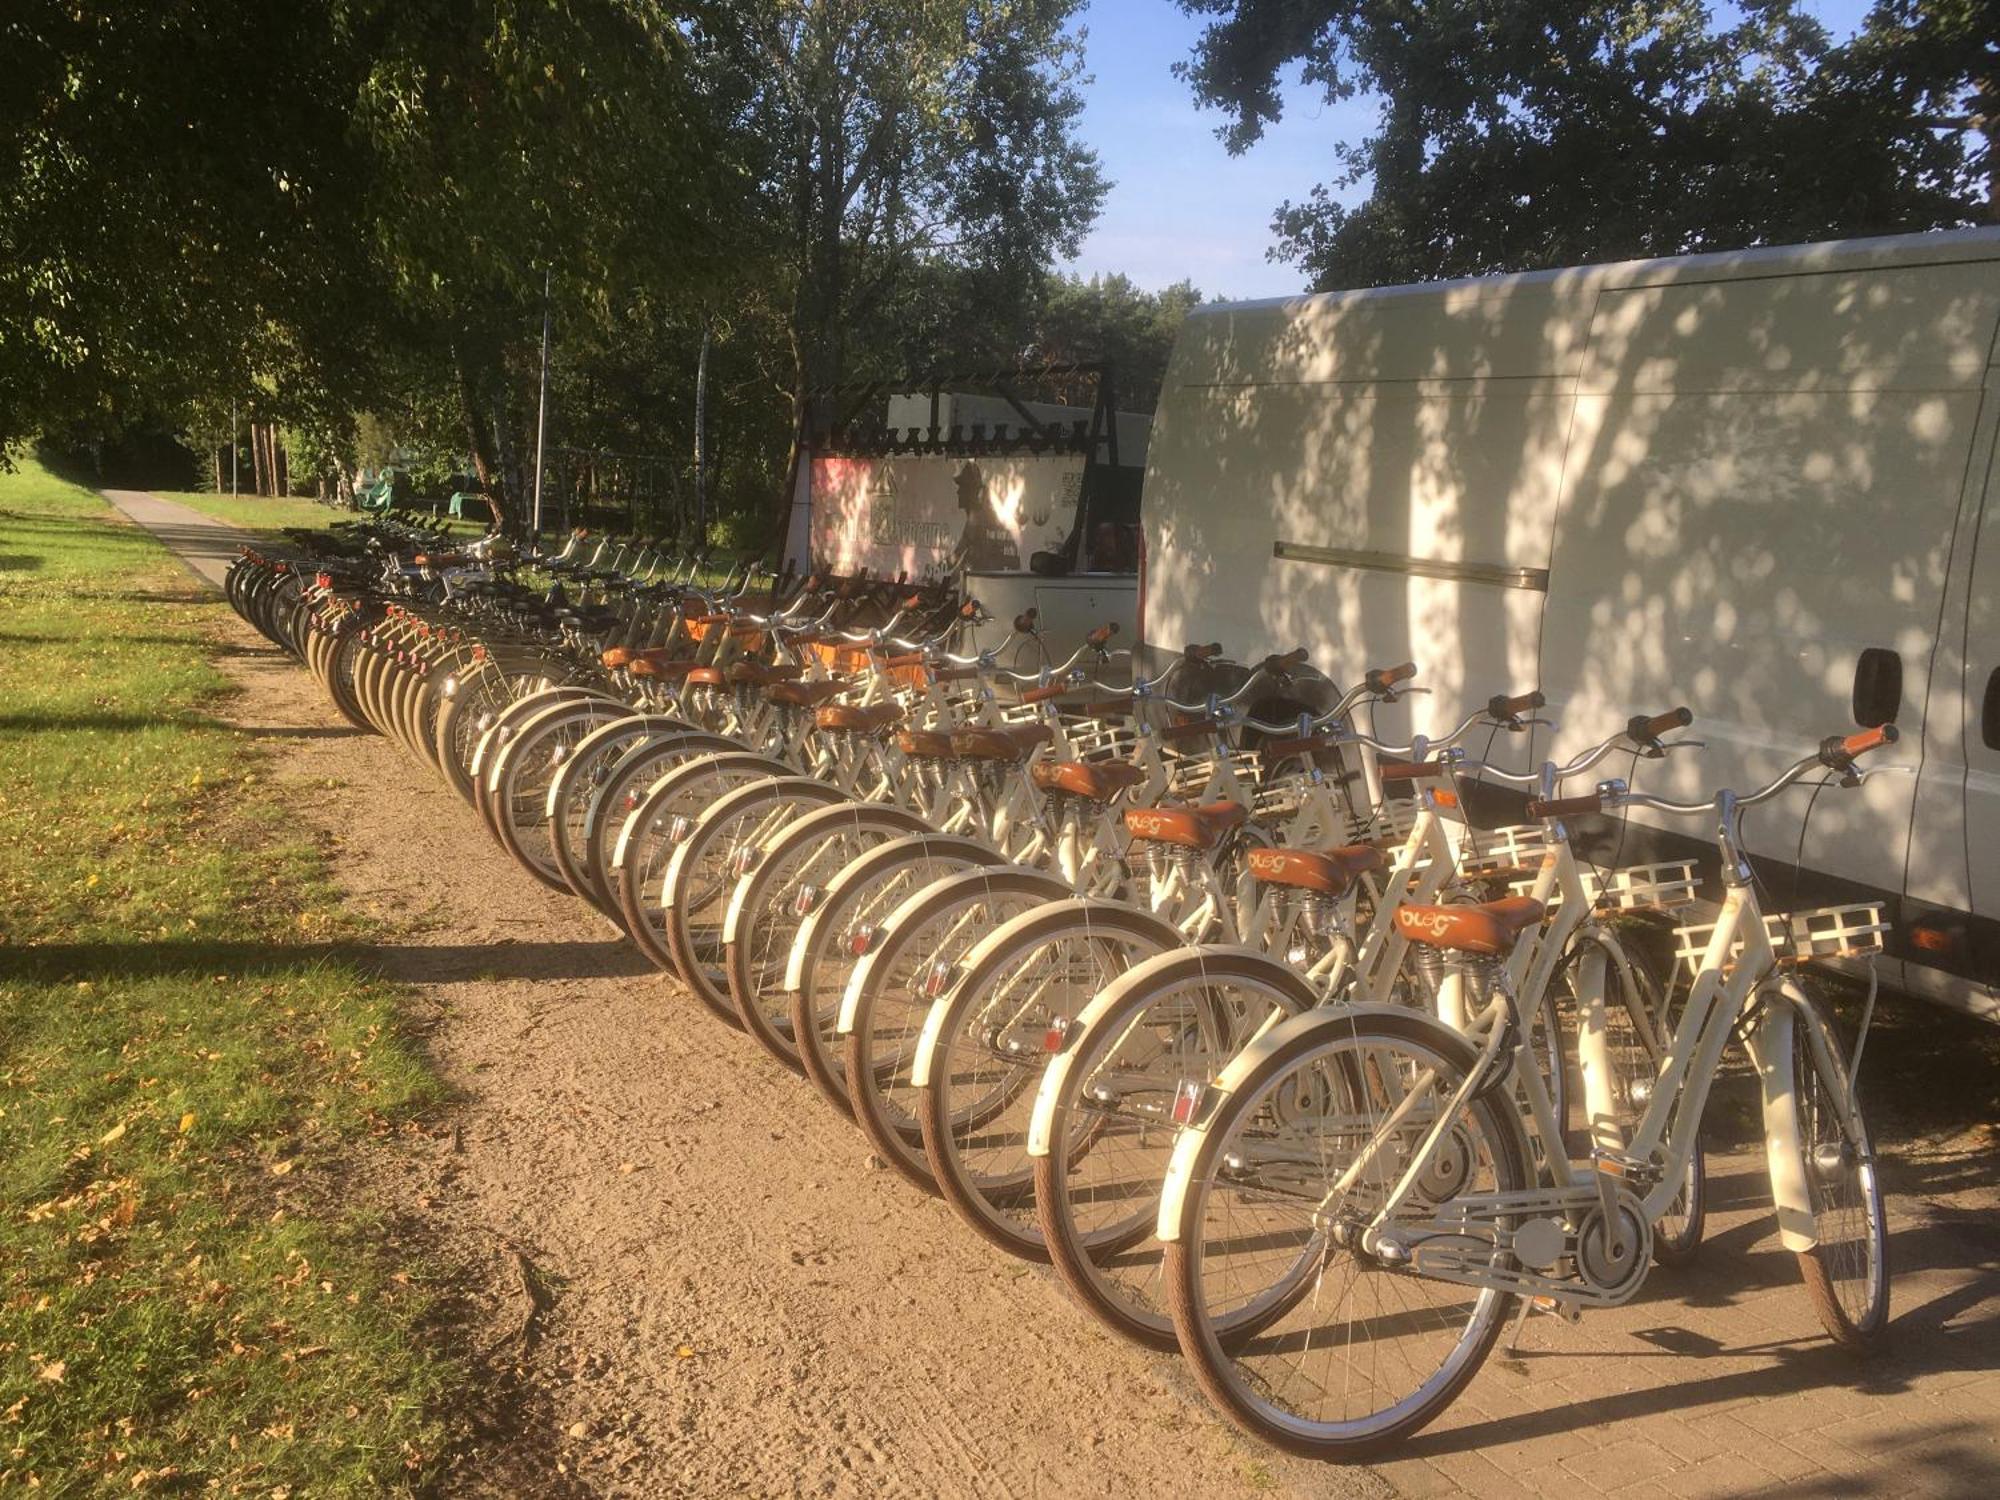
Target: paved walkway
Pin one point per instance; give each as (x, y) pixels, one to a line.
(1717, 1381)
(207, 546)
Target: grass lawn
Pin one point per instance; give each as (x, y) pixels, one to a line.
(186, 1061)
(268, 514)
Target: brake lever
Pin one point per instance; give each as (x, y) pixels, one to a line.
(1857, 776)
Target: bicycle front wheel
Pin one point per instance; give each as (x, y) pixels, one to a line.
(1847, 1272)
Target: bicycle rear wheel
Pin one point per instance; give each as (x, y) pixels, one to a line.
(844, 926)
(1105, 1117)
(721, 850)
(771, 906)
(890, 993)
(986, 1043)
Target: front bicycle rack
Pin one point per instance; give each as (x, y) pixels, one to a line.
(1665, 887)
(1823, 934)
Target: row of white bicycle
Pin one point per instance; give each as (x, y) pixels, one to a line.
(1240, 1025)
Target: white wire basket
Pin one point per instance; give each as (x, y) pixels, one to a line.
(1828, 932)
(1393, 820)
(1517, 846)
(1668, 886)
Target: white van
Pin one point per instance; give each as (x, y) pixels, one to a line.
(1761, 484)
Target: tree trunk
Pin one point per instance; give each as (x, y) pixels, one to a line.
(257, 457)
(281, 463)
(479, 437)
(218, 471)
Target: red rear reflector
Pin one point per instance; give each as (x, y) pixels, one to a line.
(860, 941)
(1187, 1100)
(1052, 1039)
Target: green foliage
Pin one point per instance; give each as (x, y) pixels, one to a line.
(1516, 134)
(1109, 318)
(187, 1063)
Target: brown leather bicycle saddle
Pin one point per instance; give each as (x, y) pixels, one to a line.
(1093, 780)
(762, 673)
(1014, 742)
(804, 694)
(1491, 928)
(1192, 827)
(1329, 871)
(932, 743)
(857, 719)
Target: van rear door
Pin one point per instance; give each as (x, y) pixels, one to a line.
(1760, 499)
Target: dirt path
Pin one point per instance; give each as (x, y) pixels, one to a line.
(736, 1302)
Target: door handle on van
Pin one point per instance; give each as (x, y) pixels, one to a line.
(1878, 687)
(1989, 711)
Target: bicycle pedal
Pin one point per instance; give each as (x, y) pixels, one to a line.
(1569, 1312)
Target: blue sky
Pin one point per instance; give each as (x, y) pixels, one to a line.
(1181, 205)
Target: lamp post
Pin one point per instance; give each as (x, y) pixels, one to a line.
(542, 412)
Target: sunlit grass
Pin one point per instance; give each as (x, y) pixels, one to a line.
(270, 514)
(186, 1062)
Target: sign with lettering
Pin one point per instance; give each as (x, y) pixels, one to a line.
(933, 515)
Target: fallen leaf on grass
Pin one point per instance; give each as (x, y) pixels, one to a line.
(54, 1371)
(187, 1122)
(281, 1169)
(116, 1132)
(686, 1351)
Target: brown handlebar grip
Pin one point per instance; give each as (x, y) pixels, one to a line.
(1045, 692)
(1024, 622)
(1651, 727)
(1204, 653)
(711, 619)
(1498, 707)
(1404, 770)
(969, 610)
(913, 601)
(1869, 739)
(1286, 661)
(1381, 679)
(1565, 807)
(1187, 730)
(953, 674)
(1103, 633)
(914, 659)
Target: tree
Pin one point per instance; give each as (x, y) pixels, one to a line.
(1109, 319)
(897, 139)
(1526, 133)
(176, 197)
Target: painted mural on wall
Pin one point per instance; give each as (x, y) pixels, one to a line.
(931, 516)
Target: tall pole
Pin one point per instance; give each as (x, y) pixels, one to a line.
(542, 414)
(701, 441)
(232, 448)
